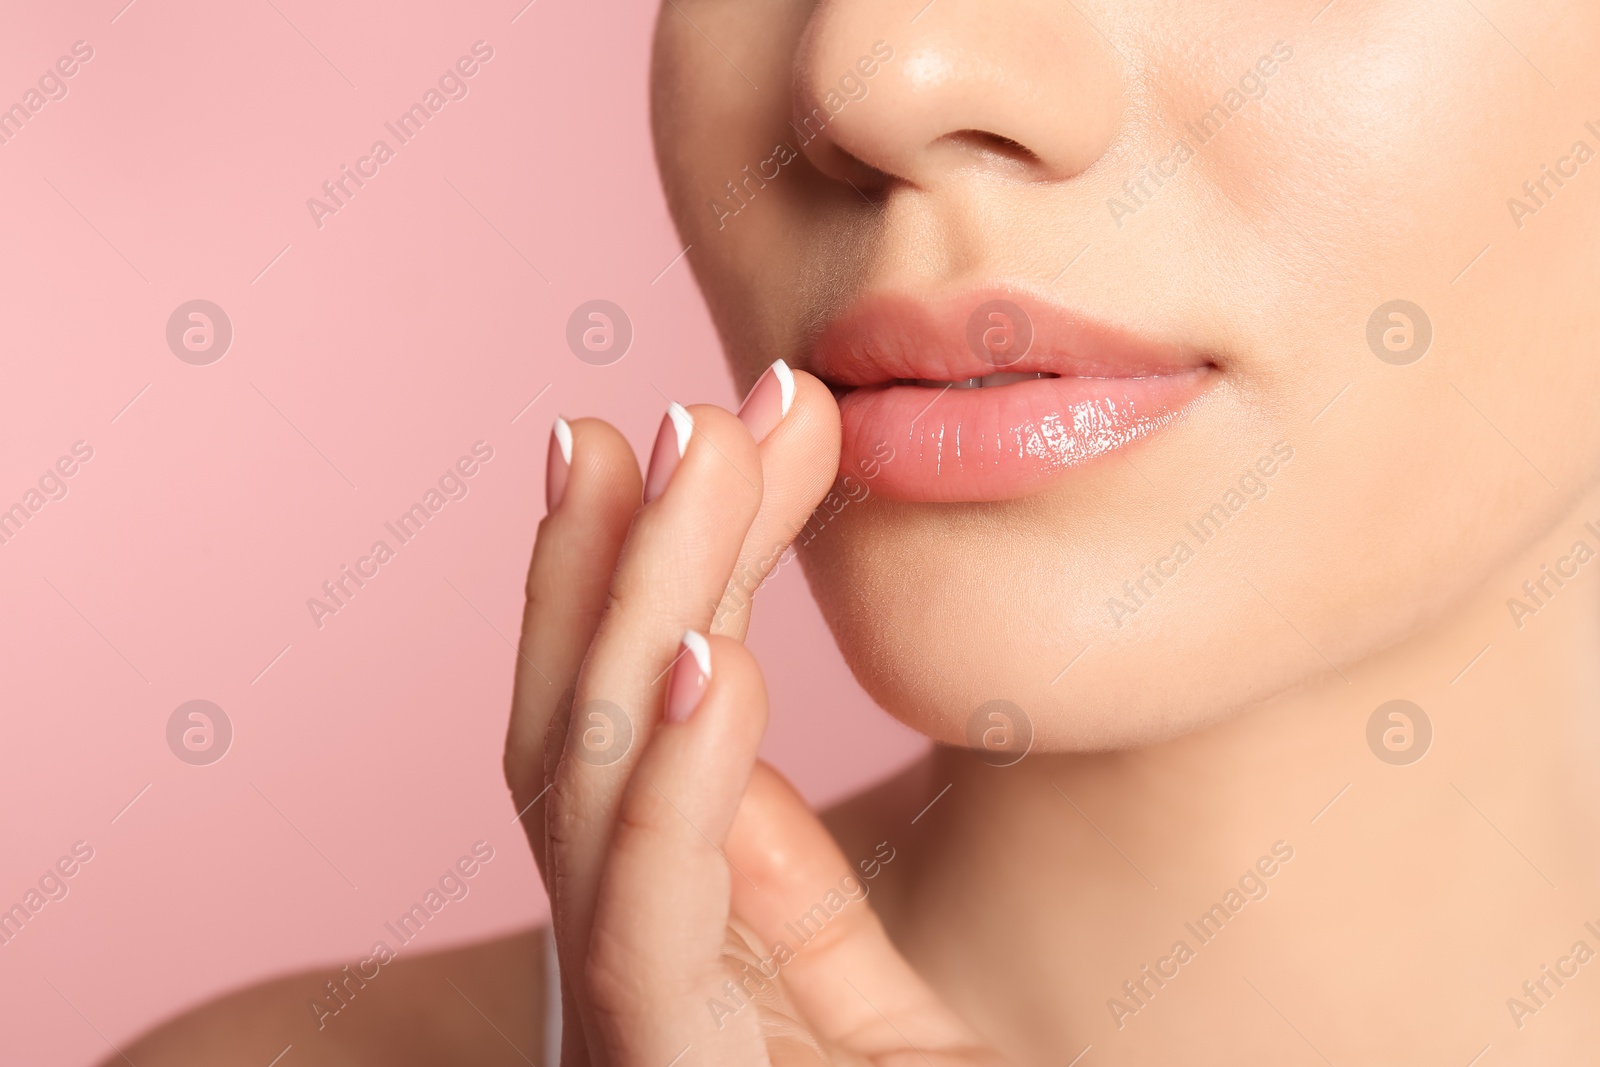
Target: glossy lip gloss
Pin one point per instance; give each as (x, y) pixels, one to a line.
(908, 375)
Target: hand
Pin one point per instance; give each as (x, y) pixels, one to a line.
(672, 858)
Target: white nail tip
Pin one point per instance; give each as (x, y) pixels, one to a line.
(785, 384)
(700, 649)
(682, 425)
(563, 433)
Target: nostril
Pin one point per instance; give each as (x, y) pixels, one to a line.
(842, 165)
(993, 144)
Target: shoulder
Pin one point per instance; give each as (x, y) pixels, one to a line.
(482, 1003)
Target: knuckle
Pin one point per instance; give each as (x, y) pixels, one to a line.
(643, 604)
(622, 974)
(562, 825)
(516, 766)
(555, 734)
(547, 597)
(643, 818)
(856, 922)
(612, 978)
(544, 570)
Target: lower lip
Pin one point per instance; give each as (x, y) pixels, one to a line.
(932, 444)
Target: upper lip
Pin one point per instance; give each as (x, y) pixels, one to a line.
(889, 336)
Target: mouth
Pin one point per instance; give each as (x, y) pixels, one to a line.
(987, 381)
(993, 395)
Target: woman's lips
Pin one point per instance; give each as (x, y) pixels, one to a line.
(1005, 442)
(1072, 390)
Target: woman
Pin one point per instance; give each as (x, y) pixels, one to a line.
(1200, 398)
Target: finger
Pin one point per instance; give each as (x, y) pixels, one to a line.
(666, 975)
(706, 487)
(812, 910)
(799, 460)
(593, 485)
(657, 950)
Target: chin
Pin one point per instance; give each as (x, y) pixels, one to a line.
(941, 610)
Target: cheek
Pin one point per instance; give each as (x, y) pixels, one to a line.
(709, 125)
(707, 120)
(1502, 400)
(1380, 172)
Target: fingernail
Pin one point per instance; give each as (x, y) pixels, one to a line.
(557, 464)
(769, 400)
(689, 677)
(671, 442)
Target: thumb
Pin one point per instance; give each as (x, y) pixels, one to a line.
(808, 907)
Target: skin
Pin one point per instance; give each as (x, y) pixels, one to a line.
(1229, 713)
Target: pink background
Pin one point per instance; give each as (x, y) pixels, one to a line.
(366, 358)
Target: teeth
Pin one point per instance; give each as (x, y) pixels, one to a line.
(988, 381)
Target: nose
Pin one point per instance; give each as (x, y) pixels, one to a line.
(886, 92)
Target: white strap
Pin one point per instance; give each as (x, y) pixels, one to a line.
(552, 1002)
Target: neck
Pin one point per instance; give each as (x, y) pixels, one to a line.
(1407, 899)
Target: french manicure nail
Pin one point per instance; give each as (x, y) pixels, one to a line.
(689, 677)
(672, 440)
(769, 400)
(558, 464)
